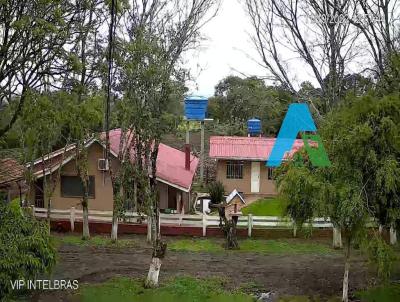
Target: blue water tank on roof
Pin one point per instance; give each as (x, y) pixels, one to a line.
(196, 108)
(254, 126)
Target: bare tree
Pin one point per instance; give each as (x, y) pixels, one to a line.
(311, 30)
(378, 21)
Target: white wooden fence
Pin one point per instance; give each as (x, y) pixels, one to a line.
(249, 222)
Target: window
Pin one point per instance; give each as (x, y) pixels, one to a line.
(270, 173)
(71, 186)
(234, 169)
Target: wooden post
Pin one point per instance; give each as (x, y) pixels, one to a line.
(204, 225)
(249, 224)
(202, 153)
(187, 132)
(178, 202)
(72, 218)
(33, 209)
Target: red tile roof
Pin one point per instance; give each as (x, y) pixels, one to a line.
(170, 163)
(247, 148)
(10, 171)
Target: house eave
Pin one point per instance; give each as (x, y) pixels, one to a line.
(39, 174)
(173, 185)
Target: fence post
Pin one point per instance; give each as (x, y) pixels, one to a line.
(180, 219)
(204, 225)
(249, 224)
(72, 218)
(33, 210)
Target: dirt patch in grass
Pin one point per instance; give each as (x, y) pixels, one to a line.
(303, 273)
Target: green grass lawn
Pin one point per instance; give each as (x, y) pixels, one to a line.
(179, 289)
(265, 207)
(252, 245)
(386, 293)
(98, 241)
(207, 245)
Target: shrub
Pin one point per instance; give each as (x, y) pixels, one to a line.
(216, 191)
(25, 248)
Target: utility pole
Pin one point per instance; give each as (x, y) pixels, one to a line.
(202, 153)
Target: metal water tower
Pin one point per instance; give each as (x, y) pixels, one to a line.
(196, 110)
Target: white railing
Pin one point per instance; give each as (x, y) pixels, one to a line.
(248, 222)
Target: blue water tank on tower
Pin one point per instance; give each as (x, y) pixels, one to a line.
(196, 108)
(254, 127)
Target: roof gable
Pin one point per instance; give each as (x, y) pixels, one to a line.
(232, 196)
(170, 163)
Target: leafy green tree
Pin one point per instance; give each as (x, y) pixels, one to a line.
(84, 115)
(372, 124)
(148, 64)
(297, 186)
(25, 247)
(362, 140)
(236, 100)
(33, 50)
(40, 127)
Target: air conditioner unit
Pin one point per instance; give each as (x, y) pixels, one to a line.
(102, 164)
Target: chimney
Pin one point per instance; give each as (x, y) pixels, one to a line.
(187, 156)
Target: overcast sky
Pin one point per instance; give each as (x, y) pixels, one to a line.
(225, 50)
(228, 50)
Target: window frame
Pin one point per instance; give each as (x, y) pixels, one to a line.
(231, 166)
(92, 180)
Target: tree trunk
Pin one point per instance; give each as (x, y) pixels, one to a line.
(114, 228)
(159, 249)
(228, 226)
(85, 230)
(337, 237)
(154, 272)
(393, 234)
(149, 229)
(295, 230)
(135, 199)
(345, 296)
(231, 239)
